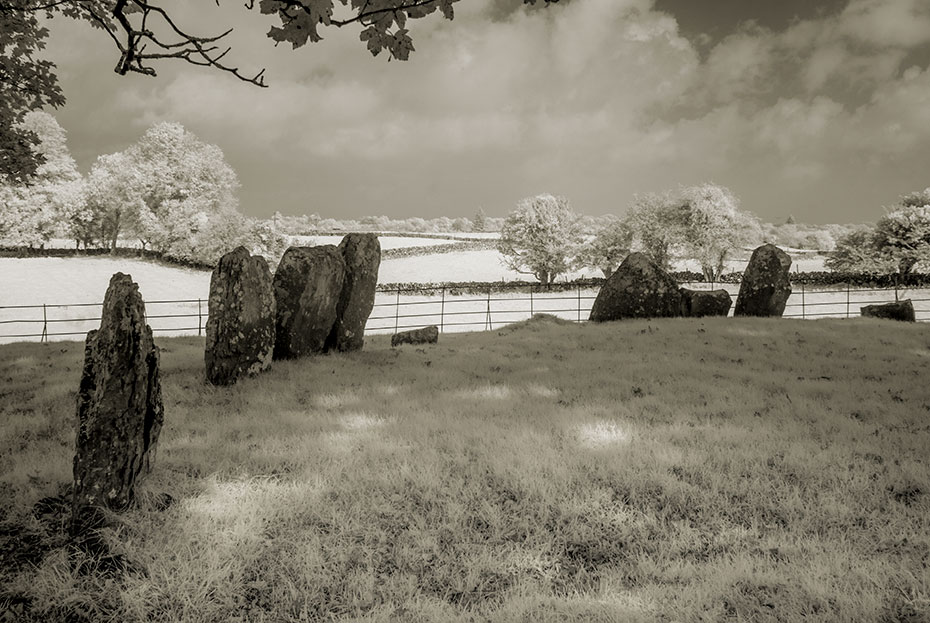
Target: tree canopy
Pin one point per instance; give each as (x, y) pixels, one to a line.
(899, 241)
(147, 32)
(540, 237)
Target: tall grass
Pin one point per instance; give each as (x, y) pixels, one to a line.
(678, 470)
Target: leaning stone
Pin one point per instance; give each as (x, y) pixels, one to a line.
(426, 335)
(765, 288)
(362, 255)
(699, 303)
(119, 407)
(901, 310)
(639, 288)
(240, 327)
(307, 286)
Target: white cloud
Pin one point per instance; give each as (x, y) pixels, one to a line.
(898, 23)
(581, 98)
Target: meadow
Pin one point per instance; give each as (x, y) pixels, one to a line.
(674, 470)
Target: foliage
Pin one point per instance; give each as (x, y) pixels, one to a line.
(712, 226)
(540, 237)
(806, 236)
(658, 222)
(899, 241)
(903, 236)
(31, 213)
(608, 248)
(859, 252)
(479, 223)
(163, 189)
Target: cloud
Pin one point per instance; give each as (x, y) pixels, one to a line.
(897, 23)
(594, 99)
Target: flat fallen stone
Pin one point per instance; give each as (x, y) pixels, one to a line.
(426, 335)
(900, 310)
(700, 303)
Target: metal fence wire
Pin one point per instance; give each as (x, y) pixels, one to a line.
(450, 309)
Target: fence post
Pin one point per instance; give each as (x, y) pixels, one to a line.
(488, 325)
(803, 309)
(579, 303)
(847, 300)
(199, 317)
(896, 287)
(442, 311)
(531, 300)
(44, 324)
(396, 309)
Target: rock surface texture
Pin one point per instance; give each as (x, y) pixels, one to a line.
(240, 327)
(765, 288)
(307, 287)
(901, 310)
(426, 335)
(637, 289)
(699, 303)
(362, 255)
(119, 405)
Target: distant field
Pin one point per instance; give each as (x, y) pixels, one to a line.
(387, 242)
(648, 471)
(83, 280)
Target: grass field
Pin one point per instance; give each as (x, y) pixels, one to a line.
(678, 470)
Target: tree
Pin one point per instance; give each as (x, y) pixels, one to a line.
(899, 241)
(657, 222)
(164, 189)
(859, 252)
(903, 236)
(540, 237)
(145, 32)
(114, 198)
(609, 247)
(713, 226)
(54, 195)
(479, 223)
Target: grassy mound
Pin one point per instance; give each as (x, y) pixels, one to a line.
(761, 470)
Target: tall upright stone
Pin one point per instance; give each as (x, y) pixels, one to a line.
(240, 327)
(639, 288)
(362, 255)
(765, 288)
(307, 287)
(119, 406)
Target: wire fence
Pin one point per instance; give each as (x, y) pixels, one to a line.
(447, 308)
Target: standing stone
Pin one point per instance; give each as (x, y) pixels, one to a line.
(639, 288)
(765, 288)
(362, 255)
(426, 335)
(699, 303)
(240, 327)
(900, 310)
(307, 286)
(119, 405)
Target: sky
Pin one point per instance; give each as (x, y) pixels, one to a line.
(819, 110)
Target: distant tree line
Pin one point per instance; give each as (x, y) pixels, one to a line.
(170, 191)
(177, 196)
(545, 238)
